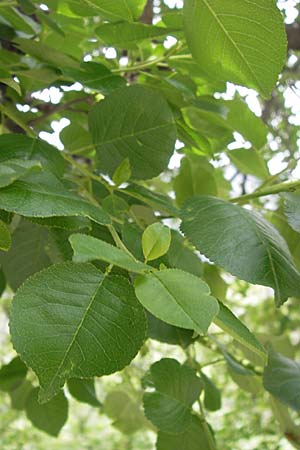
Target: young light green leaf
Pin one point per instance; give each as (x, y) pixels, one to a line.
(121, 129)
(44, 195)
(195, 437)
(242, 242)
(85, 324)
(122, 172)
(249, 161)
(49, 417)
(87, 248)
(156, 241)
(5, 237)
(231, 40)
(178, 298)
(176, 389)
(115, 11)
(235, 328)
(84, 391)
(282, 379)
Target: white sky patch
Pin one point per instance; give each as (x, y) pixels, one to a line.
(53, 138)
(174, 3)
(52, 95)
(169, 42)
(110, 52)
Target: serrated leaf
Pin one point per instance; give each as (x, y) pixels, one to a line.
(121, 129)
(282, 379)
(84, 391)
(87, 248)
(194, 438)
(241, 40)
(86, 324)
(242, 242)
(176, 389)
(235, 328)
(156, 241)
(27, 253)
(12, 374)
(43, 195)
(13, 169)
(178, 298)
(5, 237)
(49, 417)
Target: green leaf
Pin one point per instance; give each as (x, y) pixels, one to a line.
(196, 176)
(213, 278)
(18, 396)
(242, 242)
(244, 378)
(12, 170)
(155, 200)
(292, 209)
(241, 41)
(85, 324)
(95, 76)
(128, 35)
(122, 172)
(156, 241)
(20, 147)
(282, 379)
(163, 332)
(180, 256)
(125, 412)
(84, 391)
(2, 282)
(117, 10)
(240, 118)
(235, 328)
(5, 237)
(178, 298)
(176, 389)
(49, 417)
(44, 195)
(212, 396)
(194, 438)
(121, 129)
(12, 375)
(27, 253)
(249, 162)
(87, 248)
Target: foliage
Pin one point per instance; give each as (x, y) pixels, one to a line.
(129, 248)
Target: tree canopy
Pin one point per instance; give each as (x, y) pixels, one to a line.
(150, 223)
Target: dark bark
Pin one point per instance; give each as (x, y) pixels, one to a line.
(147, 16)
(293, 36)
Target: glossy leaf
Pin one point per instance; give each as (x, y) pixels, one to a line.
(14, 169)
(87, 248)
(156, 241)
(120, 129)
(243, 243)
(178, 298)
(86, 324)
(44, 195)
(240, 47)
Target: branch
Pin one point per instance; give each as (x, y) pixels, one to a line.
(289, 186)
(293, 36)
